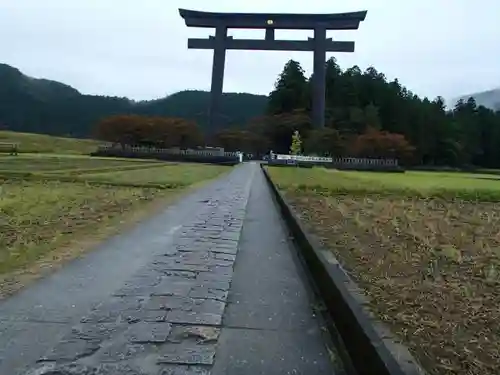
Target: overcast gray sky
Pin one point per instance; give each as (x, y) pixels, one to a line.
(139, 49)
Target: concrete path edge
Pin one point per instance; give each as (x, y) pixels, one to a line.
(371, 347)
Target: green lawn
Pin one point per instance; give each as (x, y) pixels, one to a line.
(175, 175)
(37, 216)
(36, 163)
(41, 143)
(450, 184)
(112, 171)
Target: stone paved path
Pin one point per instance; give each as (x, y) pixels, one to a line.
(153, 301)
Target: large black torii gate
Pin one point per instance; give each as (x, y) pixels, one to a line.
(320, 44)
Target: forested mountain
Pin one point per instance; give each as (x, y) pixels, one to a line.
(489, 99)
(49, 107)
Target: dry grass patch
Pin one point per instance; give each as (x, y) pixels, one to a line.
(430, 266)
(37, 217)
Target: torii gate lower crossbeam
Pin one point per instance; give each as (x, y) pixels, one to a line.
(320, 44)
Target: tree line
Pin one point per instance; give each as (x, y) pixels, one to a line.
(366, 116)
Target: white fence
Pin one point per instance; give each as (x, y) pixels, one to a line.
(366, 161)
(339, 161)
(169, 151)
(304, 158)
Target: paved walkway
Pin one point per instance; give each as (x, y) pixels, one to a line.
(186, 292)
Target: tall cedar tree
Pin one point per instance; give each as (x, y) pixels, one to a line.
(290, 92)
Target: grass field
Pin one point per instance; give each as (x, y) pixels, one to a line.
(36, 163)
(40, 143)
(425, 247)
(175, 175)
(52, 207)
(422, 184)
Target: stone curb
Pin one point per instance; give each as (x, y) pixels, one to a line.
(370, 345)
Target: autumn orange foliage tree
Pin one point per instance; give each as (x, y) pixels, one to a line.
(241, 140)
(381, 144)
(163, 132)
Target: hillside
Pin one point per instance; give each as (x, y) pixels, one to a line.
(489, 99)
(49, 107)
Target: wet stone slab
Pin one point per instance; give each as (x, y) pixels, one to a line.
(101, 316)
(224, 250)
(175, 266)
(80, 369)
(209, 293)
(172, 251)
(173, 288)
(144, 277)
(71, 350)
(194, 248)
(169, 303)
(144, 332)
(221, 271)
(213, 285)
(231, 236)
(131, 290)
(144, 315)
(116, 313)
(184, 370)
(180, 274)
(208, 306)
(120, 303)
(190, 354)
(224, 256)
(194, 334)
(93, 332)
(122, 350)
(211, 276)
(192, 317)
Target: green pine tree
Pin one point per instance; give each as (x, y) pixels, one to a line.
(291, 90)
(296, 147)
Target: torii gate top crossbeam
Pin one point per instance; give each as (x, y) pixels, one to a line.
(333, 21)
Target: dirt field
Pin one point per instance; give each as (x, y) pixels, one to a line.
(425, 247)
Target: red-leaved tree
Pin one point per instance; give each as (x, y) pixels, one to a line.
(163, 132)
(382, 144)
